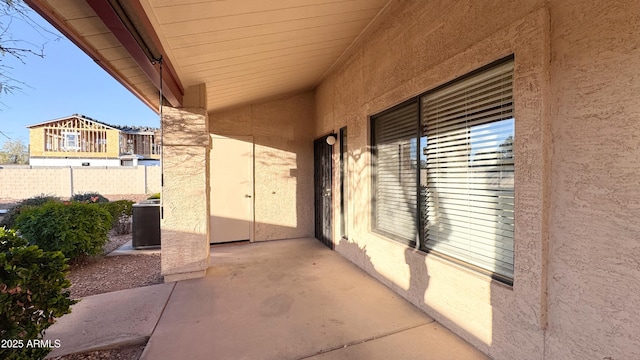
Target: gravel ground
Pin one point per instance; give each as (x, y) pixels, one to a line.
(112, 273)
(126, 353)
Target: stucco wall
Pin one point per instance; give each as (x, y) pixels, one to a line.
(282, 132)
(594, 266)
(185, 198)
(577, 169)
(418, 46)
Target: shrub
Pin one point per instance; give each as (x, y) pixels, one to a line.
(121, 212)
(32, 294)
(76, 229)
(155, 196)
(9, 219)
(89, 197)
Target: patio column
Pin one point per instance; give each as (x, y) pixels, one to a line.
(185, 191)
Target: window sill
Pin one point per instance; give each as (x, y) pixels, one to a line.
(449, 261)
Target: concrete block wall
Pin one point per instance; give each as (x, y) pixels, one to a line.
(153, 179)
(117, 180)
(19, 182)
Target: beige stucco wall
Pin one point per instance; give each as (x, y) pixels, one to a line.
(184, 224)
(282, 131)
(577, 169)
(594, 268)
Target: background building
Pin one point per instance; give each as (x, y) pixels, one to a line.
(79, 140)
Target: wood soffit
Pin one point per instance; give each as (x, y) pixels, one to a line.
(243, 50)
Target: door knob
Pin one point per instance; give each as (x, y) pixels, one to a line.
(247, 195)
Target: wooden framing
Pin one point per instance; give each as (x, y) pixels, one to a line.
(79, 136)
(143, 144)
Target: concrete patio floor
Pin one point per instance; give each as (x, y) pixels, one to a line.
(294, 299)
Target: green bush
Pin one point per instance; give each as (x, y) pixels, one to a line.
(32, 294)
(89, 197)
(155, 196)
(76, 229)
(9, 219)
(121, 212)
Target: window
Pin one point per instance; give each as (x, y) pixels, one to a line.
(71, 141)
(466, 171)
(394, 135)
(344, 187)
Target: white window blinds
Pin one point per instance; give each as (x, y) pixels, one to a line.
(395, 173)
(468, 168)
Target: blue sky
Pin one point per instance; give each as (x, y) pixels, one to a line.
(66, 81)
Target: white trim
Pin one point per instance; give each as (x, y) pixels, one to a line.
(66, 141)
(73, 162)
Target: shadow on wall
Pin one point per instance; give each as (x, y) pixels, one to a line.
(183, 252)
(415, 290)
(282, 185)
(282, 133)
(418, 275)
(235, 230)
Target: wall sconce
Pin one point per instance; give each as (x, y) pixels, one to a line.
(331, 139)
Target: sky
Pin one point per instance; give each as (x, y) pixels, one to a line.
(65, 82)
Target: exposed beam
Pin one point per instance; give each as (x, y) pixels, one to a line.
(171, 88)
(60, 24)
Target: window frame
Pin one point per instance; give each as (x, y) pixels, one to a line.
(76, 136)
(419, 221)
(344, 183)
(374, 166)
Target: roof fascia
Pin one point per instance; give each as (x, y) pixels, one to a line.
(171, 88)
(52, 18)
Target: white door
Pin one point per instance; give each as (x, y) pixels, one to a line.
(231, 180)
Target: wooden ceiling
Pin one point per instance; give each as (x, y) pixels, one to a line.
(243, 50)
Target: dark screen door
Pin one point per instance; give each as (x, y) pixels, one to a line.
(322, 185)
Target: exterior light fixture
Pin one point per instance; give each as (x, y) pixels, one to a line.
(331, 139)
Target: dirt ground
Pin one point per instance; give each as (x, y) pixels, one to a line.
(112, 273)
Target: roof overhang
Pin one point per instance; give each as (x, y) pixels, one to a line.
(124, 30)
(171, 87)
(242, 50)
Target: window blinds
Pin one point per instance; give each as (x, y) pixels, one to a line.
(469, 173)
(395, 174)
